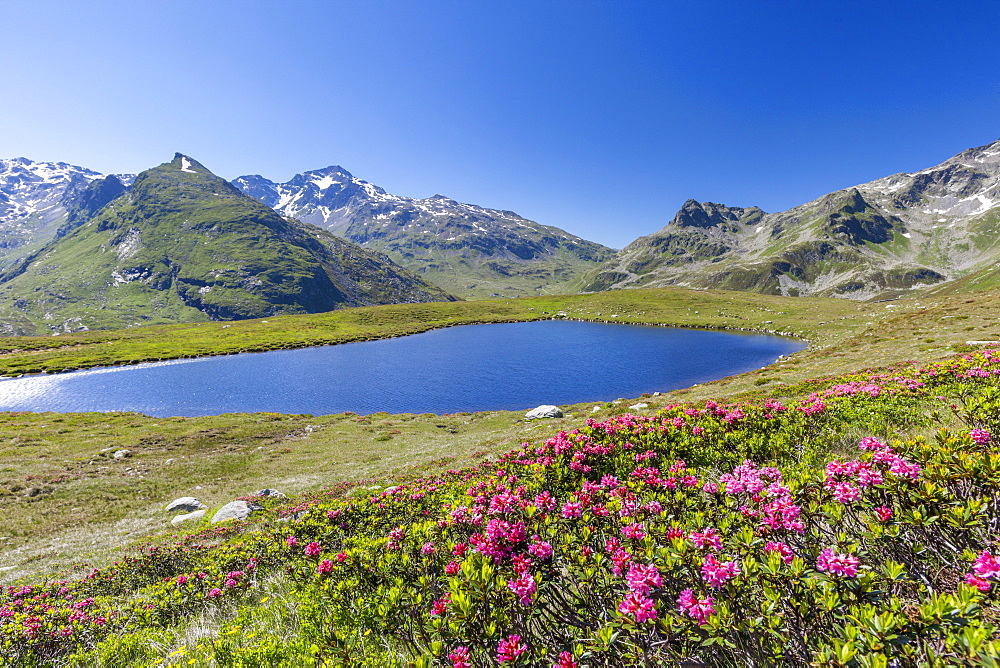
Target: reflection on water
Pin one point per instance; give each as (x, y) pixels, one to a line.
(467, 368)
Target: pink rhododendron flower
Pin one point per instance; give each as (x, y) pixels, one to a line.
(324, 567)
(510, 648)
(460, 657)
(698, 609)
(782, 549)
(844, 492)
(312, 549)
(643, 577)
(716, 573)
(981, 584)
(883, 513)
(214, 592)
(291, 541)
(572, 510)
(451, 568)
(566, 660)
(842, 564)
(634, 531)
(980, 436)
(524, 587)
(986, 565)
(642, 608)
(427, 548)
(709, 537)
(540, 548)
(870, 443)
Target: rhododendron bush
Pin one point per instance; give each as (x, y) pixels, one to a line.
(857, 525)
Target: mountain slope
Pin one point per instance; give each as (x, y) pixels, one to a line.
(469, 250)
(34, 199)
(878, 239)
(182, 244)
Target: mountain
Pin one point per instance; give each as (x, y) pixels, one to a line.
(469, 250)
(181, 244)
(876, 240)
(34, 199)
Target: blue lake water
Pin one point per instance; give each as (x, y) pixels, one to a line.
(466, 368)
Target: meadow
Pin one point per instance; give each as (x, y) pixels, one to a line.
(837, 508)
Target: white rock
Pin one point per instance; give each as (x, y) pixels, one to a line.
(185, 503)
(636, 407)
(543, 412)
(196, 515)
(121, 454)
(234, 510)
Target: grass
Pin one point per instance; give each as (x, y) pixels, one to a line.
(64, 498)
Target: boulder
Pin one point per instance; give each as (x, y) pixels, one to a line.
(273, 493)
(543, 412)
(639, 406)
(196, 515)
(186, 504)
(121, 454)
(234, 510)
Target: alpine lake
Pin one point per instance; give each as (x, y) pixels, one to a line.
(509, 366)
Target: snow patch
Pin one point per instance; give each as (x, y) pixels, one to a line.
(325, 182)
(186, 166)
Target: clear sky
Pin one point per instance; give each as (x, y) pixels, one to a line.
(597, 117)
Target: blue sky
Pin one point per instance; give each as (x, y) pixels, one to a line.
(597, 117)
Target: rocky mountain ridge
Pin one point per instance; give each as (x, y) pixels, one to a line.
(888, 237)
(469, 250)
(181, 244)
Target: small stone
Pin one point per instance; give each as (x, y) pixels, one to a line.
(639, 406)
(185, 503)
(121, 454)
(543, 412)
(234, 510)
(273, 493)
(595, 409)
(196, 515)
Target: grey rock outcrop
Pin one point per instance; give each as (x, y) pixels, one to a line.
(186, 504)
(234, 510)
(543, 412)
(189, 517)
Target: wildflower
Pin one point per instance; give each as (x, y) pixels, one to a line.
(986, 565)
(291, 541)
(427, 548)
(440, 606)
(716, 573)
(510, 648)
(782, 549)
(708, 537)
(883, 513)
(870, 443)
(698, 609)
(844, 492)
(451, 568)
(839, 564)
(460, 657)
(312, 549)
(181, 579)
(639, 606)
(643, 577)
(524, 587)
(325, 567)
(214, 592)
(634, 531)
(981, 584)
(980, 436)
(566, 660)
(572, 510)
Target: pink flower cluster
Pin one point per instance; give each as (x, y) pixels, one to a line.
(716, 573)
(842, 564)
(980, 436)
(510, 648)
(639, 606)
(692, 606)
(985, 568)
(523, 587)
